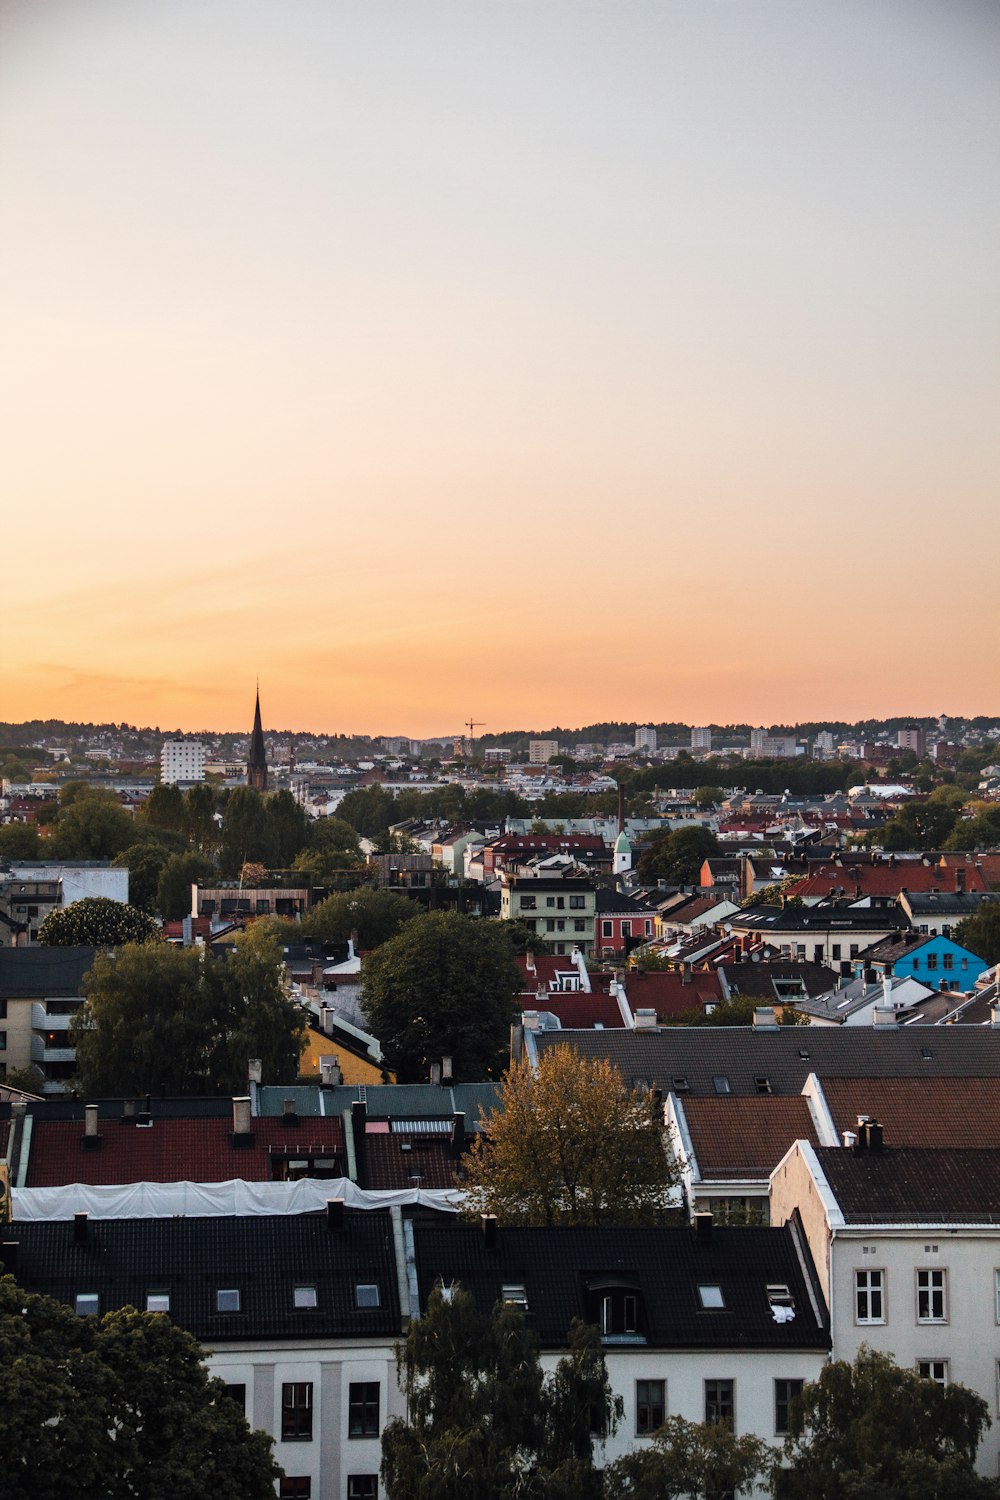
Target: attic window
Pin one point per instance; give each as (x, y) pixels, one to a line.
(722, 1084)
(227, 1299)
(366, 1294)
(763, 1084)
(513, 1294)
(681, 1085)
(710, 1295)
(88, 1304)
(804, 1052)
(158, 1302)
(304, 1297)
(926, 1052)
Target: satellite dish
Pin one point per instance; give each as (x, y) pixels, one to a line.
(755, 958)
(729, 927)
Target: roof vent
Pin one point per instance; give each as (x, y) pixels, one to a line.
(91, 1133)
(242, 1133)
(334, 1214)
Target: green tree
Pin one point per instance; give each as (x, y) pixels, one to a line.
(444, 986)
(981, 831)
(116, 1407)
(92, 824)
(678, 856)
(369, 810)
(19, 841)
(173, 889)
(375, 915)
(980, 933)
(569, 1144)
(161, 1019)
(737, 1011)
(199, 817)
(709, 796)
(144, 862)
(96, 922)
(335, 842)
(873, 1431)
(689, 1459)
(164, 808)
(482, 1421)
(247, 832)
(288, 826)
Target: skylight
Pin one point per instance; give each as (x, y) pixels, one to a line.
(366, 1294)
(710, 1295)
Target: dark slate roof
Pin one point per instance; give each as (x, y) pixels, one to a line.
(264, 1256)
(386, 1101)
(786, 1057)
(757, 979)
(618, 902)
(43, 973)
(914, 1186)
(172, 1150)
(565, 1271)
(818, 919)
(56, 1107)
(939, 1112)
(393, 1160)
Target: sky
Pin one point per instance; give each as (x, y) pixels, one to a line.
(533, 361)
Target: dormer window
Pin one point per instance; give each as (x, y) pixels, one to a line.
(616, 1308)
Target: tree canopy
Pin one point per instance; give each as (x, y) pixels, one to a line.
(678, 855)
(689, 1459)
(980, 933)
(873, 1431)
(96, 922)
(444, 986)
(569, 1144)
(92, 824)
(483, 1422)
(117, 1407)
(178, 1021)
(376, 916)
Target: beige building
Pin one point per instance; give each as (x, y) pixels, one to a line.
(541, 751)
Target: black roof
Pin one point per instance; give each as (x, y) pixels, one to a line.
(565, 1272)
(41, 973)
(264, 1256)
(914, 1186)
(65, 1107)
(819, 918)
(786, 1057)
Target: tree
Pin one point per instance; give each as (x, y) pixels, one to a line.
(708, 796)
(164, 808)
(690, 1459)
(116, 1407)
(873, 1431)
(173, 889)
(443, 987)
(19, 841)
(982, 831)
(376, 916)
(569, 1144)
(334, 845)
(96, 922)
(92, 824)
(288, 826)
(144, 863)
(482, 1421)
(247, 832)
(737, 1011)
(980, 933)
(678, 856)
(160, 1019)
(199, 816)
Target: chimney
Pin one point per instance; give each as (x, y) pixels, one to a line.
(129, 1108)
(959, 882)
(253, 1070)
(91, 1133)
(458, 1134)
(884, 1017)
(685, 973)
(995, 1016)
(329, 1072)
(529, 962)
(359, 1132)
(850, 1139)
(529, 1020)
(79, 1228)
(887, 993)
(326, 1013)
(489, 1225)
(436, 1074)
(703, 1227)
(334, 1214)
(765, 1018)
(242, 1133)
(446, 1070)
(288, 1112)
(874, 1136)
(645, 1020)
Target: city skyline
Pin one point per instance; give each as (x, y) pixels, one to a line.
(428, 360)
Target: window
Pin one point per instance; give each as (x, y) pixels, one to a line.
(561, 903)
(304, 1297)
(835, 951)
(366, 1295)
(550, 924)
(227, 1299)
(513, 1294)
(88, 1304)
(529, 903)
(295, 1487)
(869, 1295)
(3, 1041)
(296, 1411)
(607, 929)
(948, 960)
(932, 1297)
(579, 924)
(577, 903)
(932, 960)
(719, 1401)
(363, 1409)
(650, 1406)
(362, 1487)
(618, 1313)
(550, 901)
(722, 1084)
(626, 929)
(933, 1369)
(785, 1392)
(238, 1393)
(560, 924)
(710, 1296)
(158, 1302)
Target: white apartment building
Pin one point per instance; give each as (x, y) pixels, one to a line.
(645, 738)
(541, 751)
(182, 760)
(701, 739)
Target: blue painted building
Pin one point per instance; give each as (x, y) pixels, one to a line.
(937, 960)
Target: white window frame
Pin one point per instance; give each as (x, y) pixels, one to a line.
(932, 1284)
(945, 1364)
(869, 1290)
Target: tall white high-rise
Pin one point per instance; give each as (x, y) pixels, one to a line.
(645, 738)
(182, 760)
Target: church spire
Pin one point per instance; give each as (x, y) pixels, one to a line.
(257, 757)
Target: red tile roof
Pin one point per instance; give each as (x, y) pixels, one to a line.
(937, 1112)
(193, 1150)
(666, 992)
(580, 1009)
(745, 1137)
(886, 879)
(428, 1163)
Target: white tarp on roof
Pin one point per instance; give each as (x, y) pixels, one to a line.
(166, 1200)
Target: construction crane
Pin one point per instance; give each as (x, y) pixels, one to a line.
(472, 725)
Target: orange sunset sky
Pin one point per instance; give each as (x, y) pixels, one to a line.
(548, 362)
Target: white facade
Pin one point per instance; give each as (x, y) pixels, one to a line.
(701, 739)
(645, 738)
(542, 751)
(182, 760)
